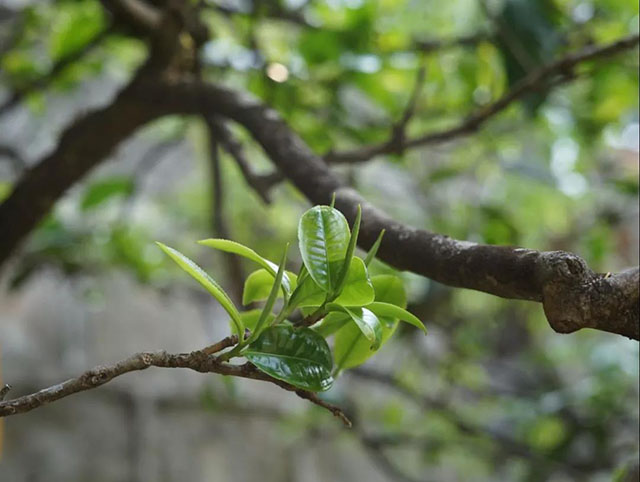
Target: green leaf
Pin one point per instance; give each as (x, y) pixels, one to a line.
(209, 284)
(392, 311)
(366, 320)
(331, 323)
(106, 189)
(300, 357)
(357, 289)
(374, 249)
(323, 234)
(250, 318)
(273, 295)
(389, 289)
(229, 246)
(351, 348)
(258, 284)
(346, 265)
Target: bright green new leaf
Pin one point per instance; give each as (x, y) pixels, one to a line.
(250, 318)
(323, 235)
(209, 284)
(242, 250)
(389, 289)
(367, 321)
(331, 323)
(346, 265)
(273, 295)
(357, 289)
(392, 311)
(374, 249)
(351, 348)
(258, 284)
(300, 357)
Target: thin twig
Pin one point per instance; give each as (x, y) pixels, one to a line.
(399, 133)
(4, 390)
(198, 361)
(540, 79)
(221, 345)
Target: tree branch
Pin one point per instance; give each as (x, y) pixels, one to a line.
(573, 296)
(535, 81)
(201, 361)
(557, 279)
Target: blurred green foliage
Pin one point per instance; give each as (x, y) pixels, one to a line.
(556, 171)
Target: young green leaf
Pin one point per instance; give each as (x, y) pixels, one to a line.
(392, 311)
(389, 289)
(366, 320)
(374, 249)
(300, 357)
(258, 284)
(357, 289)
(250, 318)
(242, 250)
(342, 277)
(266, 311)
(209, 284)
(331, 323)
(323, 235)
(351, 348)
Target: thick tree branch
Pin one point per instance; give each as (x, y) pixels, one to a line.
(201, 361)
(573, 296)
(535, 81)
(557, 279)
